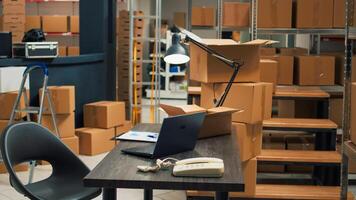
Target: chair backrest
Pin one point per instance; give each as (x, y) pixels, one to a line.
(26, 141)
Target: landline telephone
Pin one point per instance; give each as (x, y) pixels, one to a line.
(199, 167)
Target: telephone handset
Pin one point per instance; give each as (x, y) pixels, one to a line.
(199, 167)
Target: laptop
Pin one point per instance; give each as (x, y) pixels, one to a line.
(178, 134)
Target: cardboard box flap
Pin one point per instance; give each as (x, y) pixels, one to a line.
(223, 110)
(260, 42)
(219, 42)
(181, 110)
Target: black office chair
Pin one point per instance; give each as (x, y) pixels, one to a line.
(28, 141)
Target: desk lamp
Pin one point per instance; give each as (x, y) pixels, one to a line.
(177, 54)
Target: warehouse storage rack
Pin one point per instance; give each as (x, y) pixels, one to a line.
(315, 37)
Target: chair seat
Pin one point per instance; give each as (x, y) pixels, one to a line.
(53, 188)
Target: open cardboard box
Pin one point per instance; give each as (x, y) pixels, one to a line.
(208, 69)
(217, 121)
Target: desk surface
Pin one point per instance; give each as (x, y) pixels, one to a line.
(118, 170)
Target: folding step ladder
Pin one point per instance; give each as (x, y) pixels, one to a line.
(34, 110)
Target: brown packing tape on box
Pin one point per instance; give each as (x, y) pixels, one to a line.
(7, 101)
(246, 97)
(65, 124)
(63, 99)
(104, 114)
(248, 139)
(217, 121)
(93, 141)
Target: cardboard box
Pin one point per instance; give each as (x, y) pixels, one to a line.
(72, 143)
(336, 111)
(269, 71)
(247, 97)
(353, 113)
(297, 109)
(249, 169)
(73, 51)
(315, 13)
(63, 99)
(179, 19)
(93, 141)
(13, 2)
(293, 51)
(7, 101)
(18, 168)
(32, 22)
(268, 51)
(339, 14)
(65, 124)
(340, 68)
(55, 24)
(236, 14)
(217, 121)
(315, 70)
(3, 125)
(119, 130)
(14, 9)
(9, 27)
(62, 51)
(203, 16)
(249, 139)
(274, 14)
(104, 114)
(74, 24)
(267, 96)
(13, 19)
(17, 36)
(285, 69)
(208, 69)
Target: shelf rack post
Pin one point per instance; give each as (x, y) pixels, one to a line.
(347, 97)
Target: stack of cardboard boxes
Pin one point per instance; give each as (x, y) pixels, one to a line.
(123, 38)
(7, 101)
(56, 24)
(301, 14)
(102, 122)
(13, 19)
(63, 99)
(248, 94)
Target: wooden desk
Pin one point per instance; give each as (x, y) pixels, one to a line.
(118, 170)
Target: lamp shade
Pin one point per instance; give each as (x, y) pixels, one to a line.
(176, 54)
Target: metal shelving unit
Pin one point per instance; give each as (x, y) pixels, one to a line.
(157, 40)
(349, 5)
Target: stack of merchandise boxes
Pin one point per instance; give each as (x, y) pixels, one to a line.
(63, 99)
(103, 121)
(123, 41)
(248, 94)
(13, 19)
(7, 101)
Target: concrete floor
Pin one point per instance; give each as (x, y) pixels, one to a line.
(41, 172)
